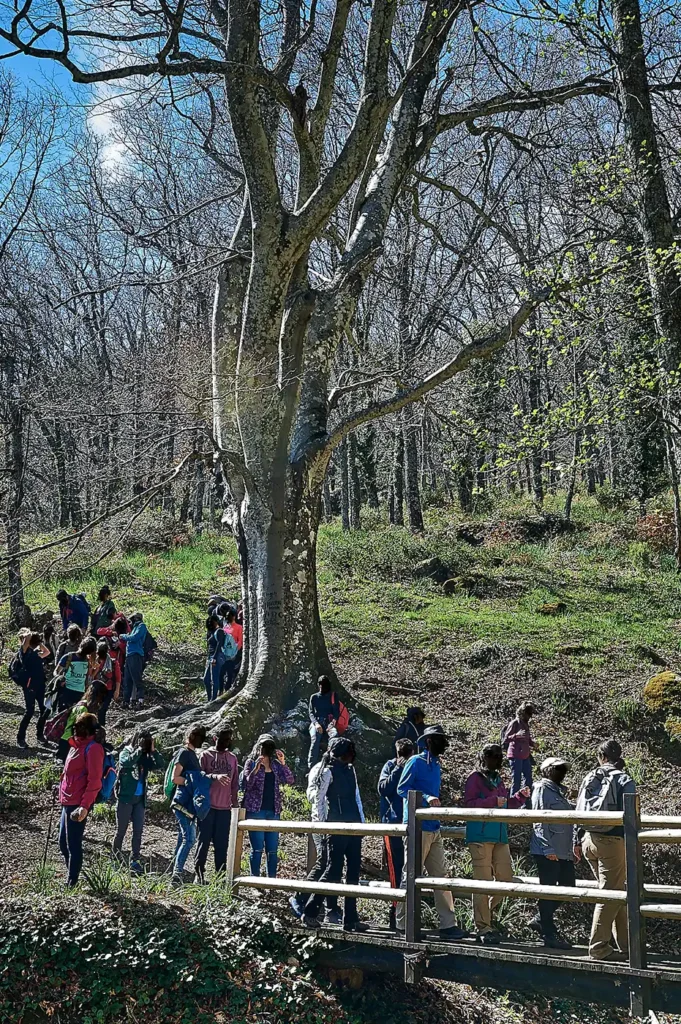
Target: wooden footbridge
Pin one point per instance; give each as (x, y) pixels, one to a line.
(643, 981)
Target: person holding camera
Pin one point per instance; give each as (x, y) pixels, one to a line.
(137, 758)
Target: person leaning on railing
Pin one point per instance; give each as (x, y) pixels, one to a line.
(551, 846)
(603, 789)
(423, 774)
(488, 840)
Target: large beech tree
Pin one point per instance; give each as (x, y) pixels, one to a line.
(333, 106)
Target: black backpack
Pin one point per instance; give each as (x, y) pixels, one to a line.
(150, 646)
(17, 671)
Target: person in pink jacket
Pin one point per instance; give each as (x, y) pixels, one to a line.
(518, 743)
(220, 765)
(81, 781)
(488, 840)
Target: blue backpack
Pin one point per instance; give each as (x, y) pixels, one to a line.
(109, 775)
(230, 647)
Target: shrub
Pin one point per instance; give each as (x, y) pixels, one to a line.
(45, 777)
(662, 693)
(657, 528)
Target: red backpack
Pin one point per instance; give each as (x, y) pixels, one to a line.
(343, 718)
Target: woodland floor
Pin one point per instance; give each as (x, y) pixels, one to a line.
(469, 658)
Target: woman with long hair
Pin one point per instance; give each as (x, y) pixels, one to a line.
(265, 772)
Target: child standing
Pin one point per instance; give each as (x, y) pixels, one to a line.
(518, 743)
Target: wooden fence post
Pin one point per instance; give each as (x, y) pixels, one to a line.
(311, 852)
(236, 845)
(639, 993)
(414, 867)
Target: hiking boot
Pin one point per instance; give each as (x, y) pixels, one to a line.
(535, 925)
(310, 922)
(296, 906)
(490, 939)
(333, 917)
(356, 926)
(392, 919)
(556, 942)
(136, 868)
(177, 881)
(453, 934)
(22, 744)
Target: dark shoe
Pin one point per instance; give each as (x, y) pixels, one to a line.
(296, 907)
(22, 744)
(535, 925)
(333, 917)
(392, 919)
(136, 868)
(490, 939)
(177, 881)
(556, 942)
(452, 934)
(310, 922)
(199, 878)
(356, 926)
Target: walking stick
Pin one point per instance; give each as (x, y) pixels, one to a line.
(49, 827)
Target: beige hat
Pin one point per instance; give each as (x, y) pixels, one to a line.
(553, 762)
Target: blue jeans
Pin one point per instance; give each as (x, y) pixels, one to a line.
(186, 838)
(132, 676)
(212, 675)
(316, 740)
(71, 843)
(522, 769)
(230, 670)
(269, 841)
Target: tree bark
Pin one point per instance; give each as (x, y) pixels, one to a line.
(355, 494)
(412, 491)
(345, 485)
(14, 462)
(397, 481)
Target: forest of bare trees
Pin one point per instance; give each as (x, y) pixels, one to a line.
(294, 259)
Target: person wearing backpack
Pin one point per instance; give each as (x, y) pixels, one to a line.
(134, 660)
(70, 645)
(79, 787)
(108, 672)
(552, 847)
(74, 672)
(215, 657)
(321, 844)
(603, 789)
(74, 610)
(104, 613)
(90, 704)
(517, 741)
(265, 772)
(411, 728)
(230, 669)
(137, 758)
(219, 764)
(324, 711)
(27, 671)
(112, 634)
(488, 840)
(391, 811)
(186, 767)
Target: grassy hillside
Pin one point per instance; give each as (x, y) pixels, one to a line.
(472, 617)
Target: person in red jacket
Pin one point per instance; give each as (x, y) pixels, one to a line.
(81, 781)
(220, 765)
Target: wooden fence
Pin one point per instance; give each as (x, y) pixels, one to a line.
(642, 901)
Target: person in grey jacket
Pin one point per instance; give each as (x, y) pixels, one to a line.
(552, 846)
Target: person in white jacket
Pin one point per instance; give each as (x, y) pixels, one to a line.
(321, 842)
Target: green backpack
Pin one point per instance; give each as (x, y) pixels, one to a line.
(168, 784)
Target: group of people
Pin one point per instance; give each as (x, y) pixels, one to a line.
(224, 645)
(204, 783)
(101, 658)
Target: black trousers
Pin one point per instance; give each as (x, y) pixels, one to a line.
(343, 850)
(213, 829)
(553, 872)
(31, 698)
(101, 714)
(321, 844)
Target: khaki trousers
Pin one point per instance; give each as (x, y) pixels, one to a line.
(434, 866)
(605, 854)
(491, 863)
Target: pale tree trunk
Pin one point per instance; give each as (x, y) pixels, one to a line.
(355, 496)
(15, 468)
(397, 481)
(345, 485)
(412, 491)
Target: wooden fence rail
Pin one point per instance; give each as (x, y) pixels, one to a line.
(638, 830)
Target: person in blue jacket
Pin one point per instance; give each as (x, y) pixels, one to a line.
(411, 728)
(74, 610)
(189, 781)
(422, 773)
(134, 660)
(392, 811)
